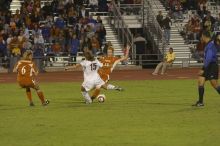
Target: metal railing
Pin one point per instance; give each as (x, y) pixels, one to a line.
(153, 59)
(150, 60)
(131, 9)
(151, 24)
(123, 32)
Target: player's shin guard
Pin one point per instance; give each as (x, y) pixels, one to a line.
(218, 89)
(41, 96)
(201, 93)
(110, 87)
(87, 97)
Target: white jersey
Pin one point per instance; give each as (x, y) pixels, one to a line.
(90, 69)
(91, 76)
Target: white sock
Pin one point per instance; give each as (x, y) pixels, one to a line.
(110, 87)
(87, 97)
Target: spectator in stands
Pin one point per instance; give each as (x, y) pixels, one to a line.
(38, 45)
(196, 30)
(55, 47)
(208, 22)
(12, 24)
(48, 21)
(46, 32)
(15, 47)
(59, 23)
(86, 44)
(93, 4)
(92, 22)
(9, 39)
(198, 52)
(217, 23)
(47, 9)
(26, 31)
(99, 20)
(95, 46)
(177, 10)
(202, 11)
(168, 60)
(3, 51)
(54, 33)
(60, 7)
(35, 18)
(74, 46)
(83, 12)
(36, 30)
(72, 16)
(26, 45)
(167, 26)
(21, 36)
(101, 33)
(61, 41)
(89, 32)
(107, 45)
(27, 21)
(160, 18)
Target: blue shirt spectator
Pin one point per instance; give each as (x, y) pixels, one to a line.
(59, 23)
(3, 49)
(74, 45)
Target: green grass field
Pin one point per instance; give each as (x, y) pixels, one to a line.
(147, 113)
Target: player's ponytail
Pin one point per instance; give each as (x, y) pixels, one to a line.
(27, 54)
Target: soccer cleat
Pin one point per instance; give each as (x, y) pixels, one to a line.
(31, 104)
(93, 98)
(198, 104)
(155, 74)
(46, 102)
(88, 101)
(119, 88)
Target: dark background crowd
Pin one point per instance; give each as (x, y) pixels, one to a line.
(62, 27)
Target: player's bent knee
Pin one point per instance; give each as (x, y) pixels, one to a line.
(37, 87)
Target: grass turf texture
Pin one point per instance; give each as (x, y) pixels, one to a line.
(154, 113)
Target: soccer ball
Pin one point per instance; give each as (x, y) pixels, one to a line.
(101, 98)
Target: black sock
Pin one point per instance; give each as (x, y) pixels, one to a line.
(201, 93)
(218, 89)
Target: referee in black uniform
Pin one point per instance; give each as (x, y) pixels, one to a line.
(210, 68)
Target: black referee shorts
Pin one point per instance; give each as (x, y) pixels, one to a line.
(211, 71)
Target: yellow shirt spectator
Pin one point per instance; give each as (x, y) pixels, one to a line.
(170, 57)
(16, 51)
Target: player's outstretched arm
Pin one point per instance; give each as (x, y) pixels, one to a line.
(73, 67)
(126, 53)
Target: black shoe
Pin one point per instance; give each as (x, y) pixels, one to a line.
(31, 104)
(119, 88)
(198, 104)
(46, 102)
(93, 98)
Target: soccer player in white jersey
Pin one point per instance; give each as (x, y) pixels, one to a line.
(92, 79)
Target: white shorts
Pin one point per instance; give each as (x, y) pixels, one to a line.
(94, 83)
